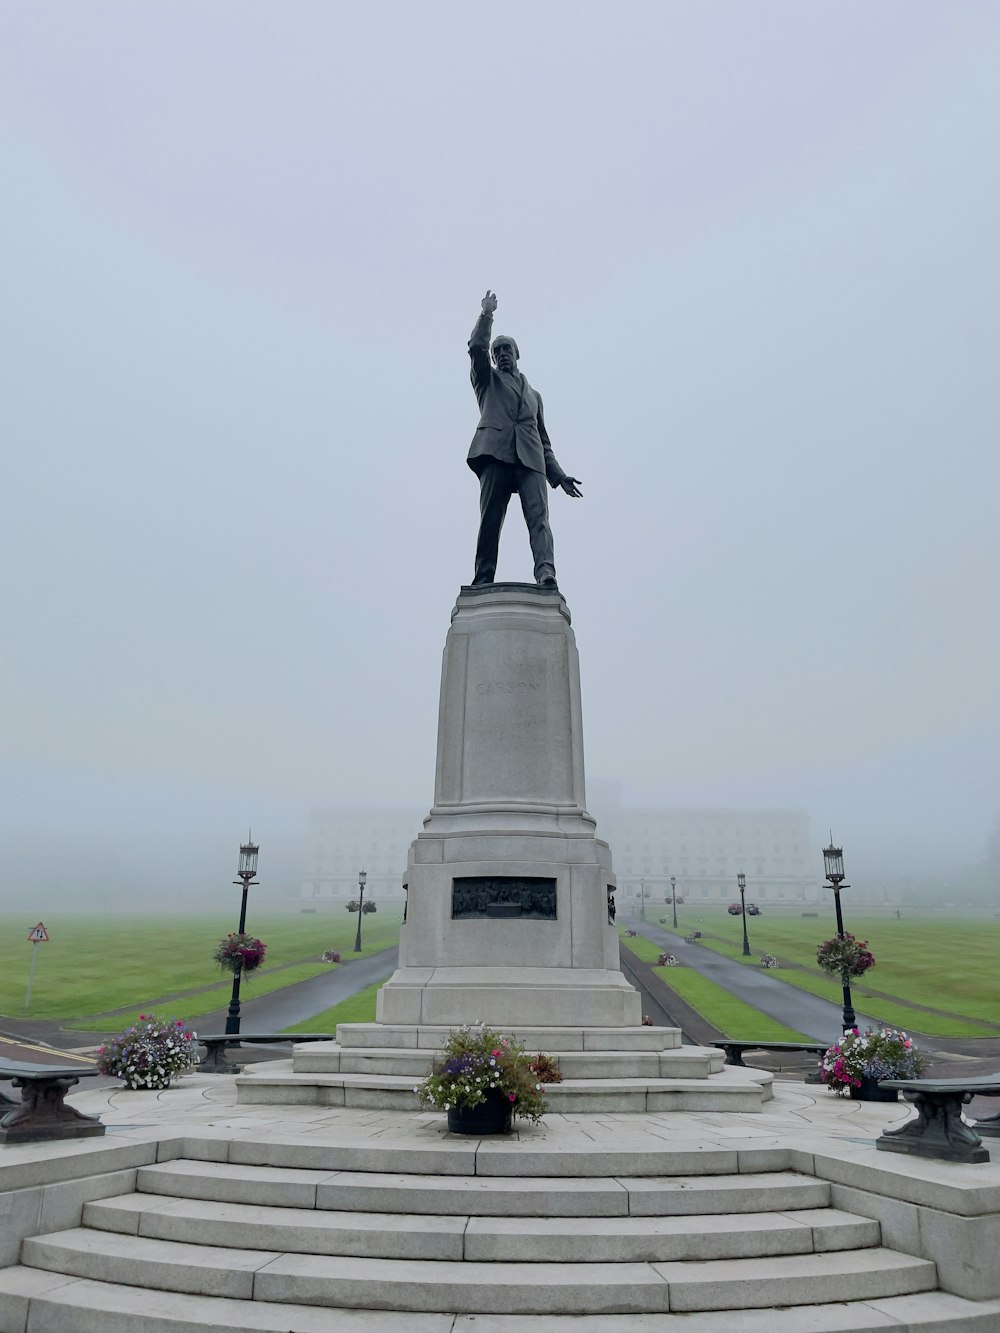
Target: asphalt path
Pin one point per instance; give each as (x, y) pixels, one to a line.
(296, 1004)
(819, 1019)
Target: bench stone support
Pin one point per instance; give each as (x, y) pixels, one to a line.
(43, 1113)
(938, 1131)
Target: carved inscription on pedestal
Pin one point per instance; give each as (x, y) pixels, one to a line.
(503, 896)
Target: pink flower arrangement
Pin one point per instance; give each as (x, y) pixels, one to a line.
(240, 953)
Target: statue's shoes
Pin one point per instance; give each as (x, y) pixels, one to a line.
(549, 583)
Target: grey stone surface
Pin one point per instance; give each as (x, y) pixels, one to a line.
(383, 1235)
(465, 1287)
(111, 1257)
(509, 804)
(20, 1214)
(636, 1239)
(18, 1287)
(231, 1182)
(509, 1158)
(725, 1194)
(62, 1204)
(69, 1305)
(475, 1196)
(793, 1279)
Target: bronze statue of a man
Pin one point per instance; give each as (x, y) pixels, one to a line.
(510, 452)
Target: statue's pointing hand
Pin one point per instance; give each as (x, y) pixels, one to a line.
(571, 486)
(489, 303)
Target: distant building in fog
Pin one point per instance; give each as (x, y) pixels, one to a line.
(340, 842)
(703, 849)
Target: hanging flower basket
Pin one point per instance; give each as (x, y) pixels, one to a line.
(240, 953)
(845, 957)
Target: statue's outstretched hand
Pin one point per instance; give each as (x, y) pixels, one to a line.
(571, 486)
(489, 303)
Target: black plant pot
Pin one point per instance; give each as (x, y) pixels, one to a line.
(871, 1092)
(493, 1116)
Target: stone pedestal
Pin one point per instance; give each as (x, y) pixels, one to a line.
(508, 886)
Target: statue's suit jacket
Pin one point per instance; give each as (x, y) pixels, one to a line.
(511, 425)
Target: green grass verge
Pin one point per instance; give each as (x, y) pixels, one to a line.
(94, 964)
(358, 1008)
(895, 972)
(206, 1002)
(732, 1017)
(641, 947)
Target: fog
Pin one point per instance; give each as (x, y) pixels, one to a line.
(749, 255)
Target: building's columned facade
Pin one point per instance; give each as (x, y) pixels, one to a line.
(704, 849)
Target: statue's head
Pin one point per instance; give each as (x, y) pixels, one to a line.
(505, 352)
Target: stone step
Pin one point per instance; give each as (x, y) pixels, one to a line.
(412, 1063)
(58, 1304)
(483, 1195)
(471, 1287)
(640, 1239)
(502, 1155)
(548, 1039)
(275, 1083)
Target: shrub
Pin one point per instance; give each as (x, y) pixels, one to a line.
(331, 956)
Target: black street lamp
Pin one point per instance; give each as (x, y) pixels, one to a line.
(833, 868)
(245, 876)
(362, 876)
(673, 897)
(642, 900)
(741, 880)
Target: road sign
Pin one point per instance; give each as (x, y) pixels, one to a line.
(38, 935)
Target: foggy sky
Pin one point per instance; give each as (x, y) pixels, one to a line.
(749, 254)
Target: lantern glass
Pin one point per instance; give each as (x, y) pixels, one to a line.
(741, 880)
(362, 877)
(833, 864)
(248, 859)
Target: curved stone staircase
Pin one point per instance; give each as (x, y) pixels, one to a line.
(622, 1070)
(298, 1235)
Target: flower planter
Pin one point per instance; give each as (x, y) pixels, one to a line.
(871, 1092)
(493, 1116)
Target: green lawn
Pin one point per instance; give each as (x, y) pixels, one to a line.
(94, 964)
(358, 1008)
(731, 1016)
(949, 965)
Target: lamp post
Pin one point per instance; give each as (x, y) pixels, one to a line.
(362, 876)
(642, 900)
(741, 880)
(833, 868)
(673, 897)
(245, 876)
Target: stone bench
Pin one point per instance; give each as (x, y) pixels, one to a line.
(42, 1112)
(939, 1130)
(215, 1061)
(734, 1049)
